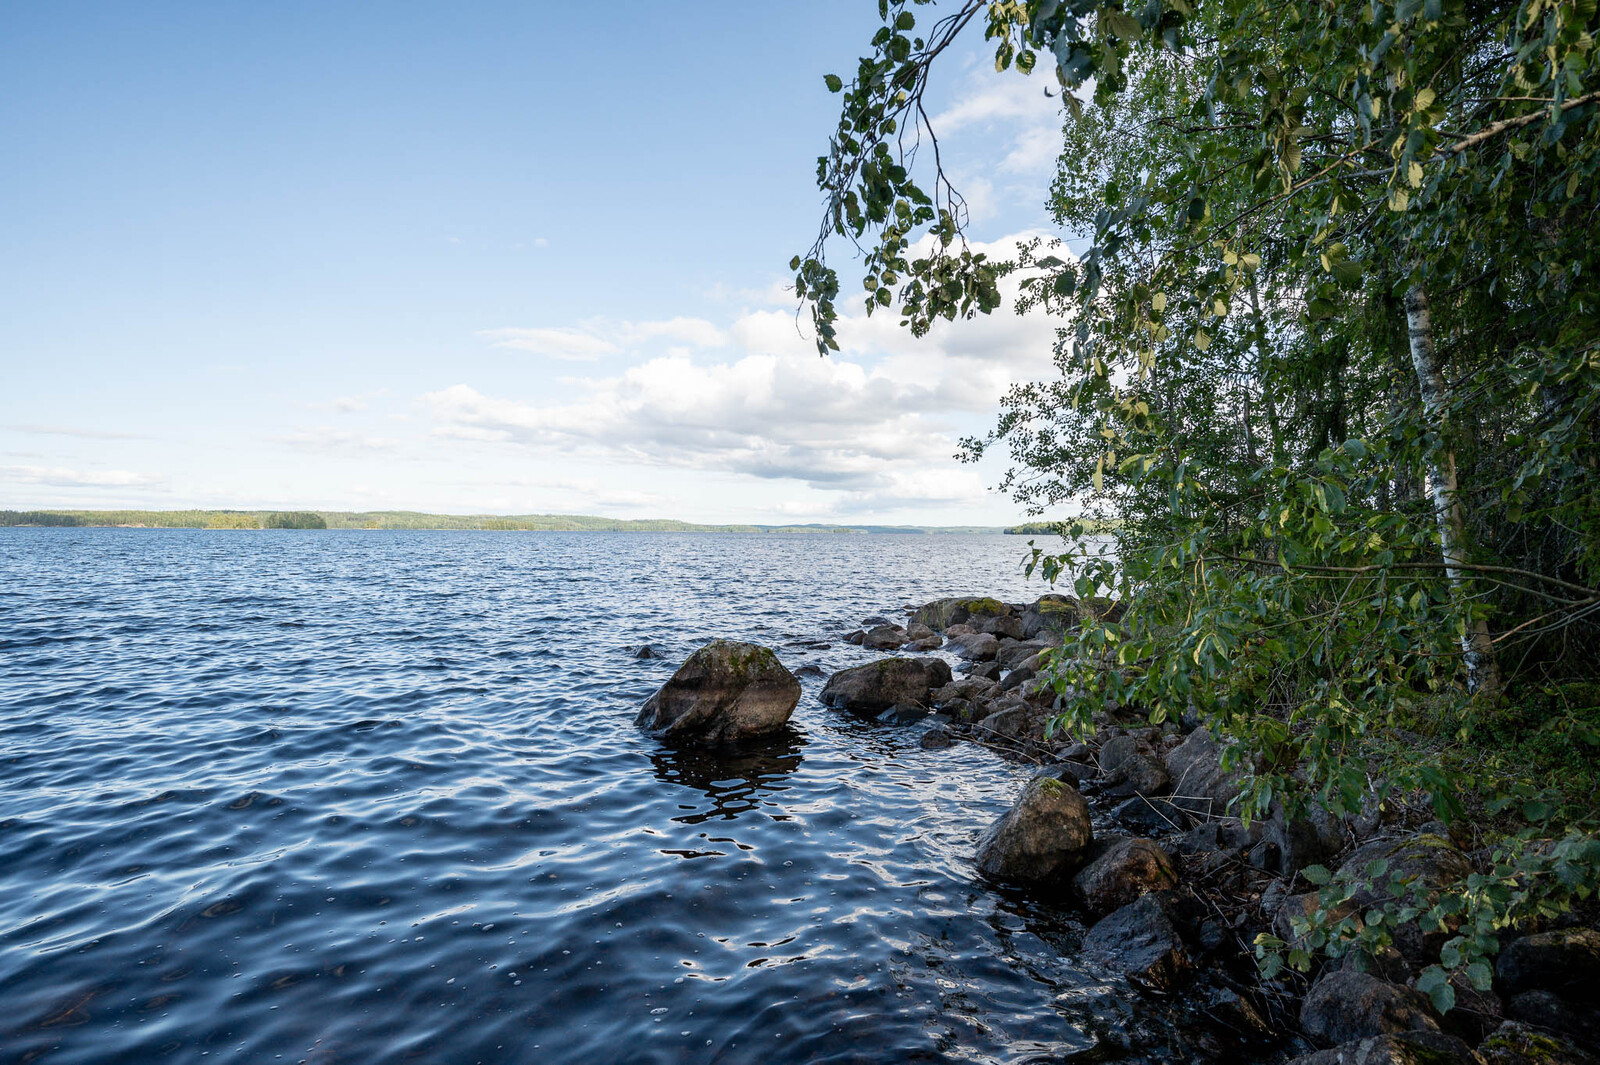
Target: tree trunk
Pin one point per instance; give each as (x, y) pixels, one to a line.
(1267, 399)
(1483, 671)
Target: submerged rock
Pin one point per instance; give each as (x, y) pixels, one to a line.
(1041, 838)
(1140, 942)
(1344, 1007)
(877, 686)
(726, 691)
(935, 739)
(646, 651)
(1125, 870)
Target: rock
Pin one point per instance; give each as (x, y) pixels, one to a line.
(1004, 625)
(983, 670)
(1545, 1009)
(646, 651)
(1566, 961)
(935, 739)
(1429, 864)
(1313, 839)
(1199, 783)
(1150, 817)
(885, 638)
(903, 714)
(979, 647)
(1118, 749)
(1041, 838)
(931, 643)
(1050, 616)
(1140, 942)
(1514, 1043)
(1138, 775)
(1403, 1048)
(855, 637)
(726, 691)
(1009, 723)
(1016, 679)
(1013, 655)
(1126, 869)
(810, 669)
(918, 631)
(874, 621)
(1074, 773)
(1343, 1007)
(879, 685)
(971, 688)
(959, 630)
(940, 614)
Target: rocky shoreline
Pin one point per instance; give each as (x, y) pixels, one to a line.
(1131, 829)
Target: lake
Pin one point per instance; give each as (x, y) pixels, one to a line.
(377, 796)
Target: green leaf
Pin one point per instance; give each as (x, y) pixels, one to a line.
(1316, 874)
(833, 81)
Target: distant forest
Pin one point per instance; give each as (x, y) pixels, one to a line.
(405, 519)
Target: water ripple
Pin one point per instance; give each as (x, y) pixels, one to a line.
(371, 797)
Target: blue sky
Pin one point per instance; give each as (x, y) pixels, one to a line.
(501, 258)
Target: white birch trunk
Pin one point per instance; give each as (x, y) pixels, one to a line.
(1483, 671)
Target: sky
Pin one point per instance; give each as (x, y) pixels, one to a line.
(477, 258)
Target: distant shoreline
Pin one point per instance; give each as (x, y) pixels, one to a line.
(376, 521)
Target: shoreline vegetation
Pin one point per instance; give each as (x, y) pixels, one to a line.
(417, 521)
(1138, 829)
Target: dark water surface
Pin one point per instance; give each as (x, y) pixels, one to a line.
(370, 797)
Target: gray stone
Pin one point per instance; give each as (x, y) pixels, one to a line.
(1427, 864)
(903, 714)
(879, 685)
(935, 739)
(885, 638)
(970, 688)
(1140, 942)
(979, 647)
(1566, 961)
(918, 631)
(1041, 838)
(1013, 655)
(1138, 775)
(1016, 679)
(646, 651)
(1344, 1007)
(930, 643)
(1125, 870)
(1150, 817)
(1199, 783)
(982, 670)
(726, 691)
(1003, 625)
(1009, 723)
(940, 614)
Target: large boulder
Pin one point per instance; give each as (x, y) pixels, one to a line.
(1566, 961)
(1427, 864)
(727, 691)
(1548, 1010)
(888, 682)
(1140, 942)
(1049, 618)
(1041, 838)
(1402, 1048)
(1122, 872)
(940, 614)
(1345, 1006)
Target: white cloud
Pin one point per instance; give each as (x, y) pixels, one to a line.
(59, 477)
(589, 340)
(877, 423)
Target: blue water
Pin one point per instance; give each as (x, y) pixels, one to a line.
(367, 797)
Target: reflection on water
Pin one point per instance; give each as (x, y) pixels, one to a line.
(732, 778)
(373, 797)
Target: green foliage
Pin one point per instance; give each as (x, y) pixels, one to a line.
(1329, 364)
